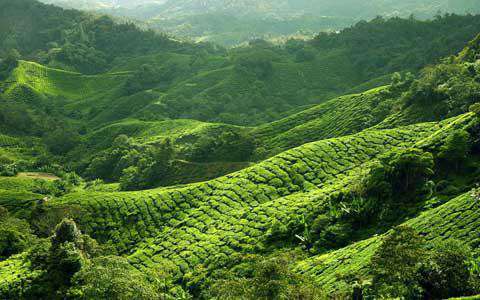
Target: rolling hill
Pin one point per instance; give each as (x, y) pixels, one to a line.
(136, 166)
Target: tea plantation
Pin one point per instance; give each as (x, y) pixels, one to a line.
(212, 220)
(137, 166)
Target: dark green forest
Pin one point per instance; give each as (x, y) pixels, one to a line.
(138, 165)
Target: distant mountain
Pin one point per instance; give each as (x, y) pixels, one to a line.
(103, 4)
(290, 8)
(231, 22)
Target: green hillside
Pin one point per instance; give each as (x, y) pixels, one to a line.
(137, 166)
(152, 77)
(219, 218)
(358, 112)
(441, 223)
(71, 85)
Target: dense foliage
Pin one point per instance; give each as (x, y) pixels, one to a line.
(403, 267)
(135, 166)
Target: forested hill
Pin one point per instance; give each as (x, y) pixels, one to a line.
(356, 9)
(234, 22)
(250, 85)
(72, 39)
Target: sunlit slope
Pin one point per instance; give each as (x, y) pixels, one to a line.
(458, 219)
(337, 117)
(180, 131)
(57, 82)
(203, 222)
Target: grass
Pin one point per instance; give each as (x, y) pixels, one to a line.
(38, 175)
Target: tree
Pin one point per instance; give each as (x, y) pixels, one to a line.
(403, 173)
(66, 257)
(456, 149)
(66, 231)
(270, 278)
(476, 194)
(9, 63)
(131, 179)
(152, 166)
(82, 57)
(305, 55)
(15, 235)
(396, 263)
(446, 273)
(162, 156)
(228, 146)
(17, 118)
(258, 63)
(410, 169)
(112, 277)
(62, 140)
(110, 163)
(142, 79)
(475, 108)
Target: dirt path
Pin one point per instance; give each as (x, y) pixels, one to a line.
(38, 175)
